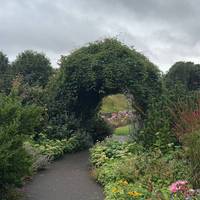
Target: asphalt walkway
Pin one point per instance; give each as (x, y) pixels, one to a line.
(66, 179)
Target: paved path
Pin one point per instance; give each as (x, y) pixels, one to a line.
(66, 179)
(120, 138)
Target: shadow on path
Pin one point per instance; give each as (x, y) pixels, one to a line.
(66, 179)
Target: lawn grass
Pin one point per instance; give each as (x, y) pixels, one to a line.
(114, 103)
(123, 130)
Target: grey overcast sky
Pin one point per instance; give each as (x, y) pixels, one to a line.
(165, 31)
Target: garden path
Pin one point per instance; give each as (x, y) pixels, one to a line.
(66, 179)
(120, 138)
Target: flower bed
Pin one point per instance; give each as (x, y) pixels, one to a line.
(126, 171)
(117, 119)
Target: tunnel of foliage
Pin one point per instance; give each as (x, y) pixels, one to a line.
(91, 73)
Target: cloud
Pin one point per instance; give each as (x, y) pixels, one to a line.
(165, 31)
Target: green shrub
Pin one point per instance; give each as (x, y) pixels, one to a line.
(157, 130)
(192, 142)
(186, 128)
(54, 148)
(15, 163)
(186, 115)
(100, 129)
(79, 141)
(40, 160)
(109, 149)
(11, 194)
(113, 170)
(16, 122)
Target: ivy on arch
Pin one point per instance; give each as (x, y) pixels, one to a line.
(92, 72)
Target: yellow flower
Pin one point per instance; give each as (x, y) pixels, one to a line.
(134, 194)
(114, 190)
(123, 182)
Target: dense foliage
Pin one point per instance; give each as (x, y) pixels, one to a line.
(192, 141)
(157, 129)
(93, 72)
(16, 122)
(3, 63)
(186, 73)
(55, 148)
(5, 75)
(34, 67)
(143, 175)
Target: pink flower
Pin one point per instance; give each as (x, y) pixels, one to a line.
(173, 188)
(178, 186)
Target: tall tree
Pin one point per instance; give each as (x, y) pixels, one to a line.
(34, 67)
(5, 75)
(185, 73)
(3, 62)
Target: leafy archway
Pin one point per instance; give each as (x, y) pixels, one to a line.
(93, 72)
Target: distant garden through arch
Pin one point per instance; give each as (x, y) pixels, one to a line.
(92, 72)
(118, 112)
